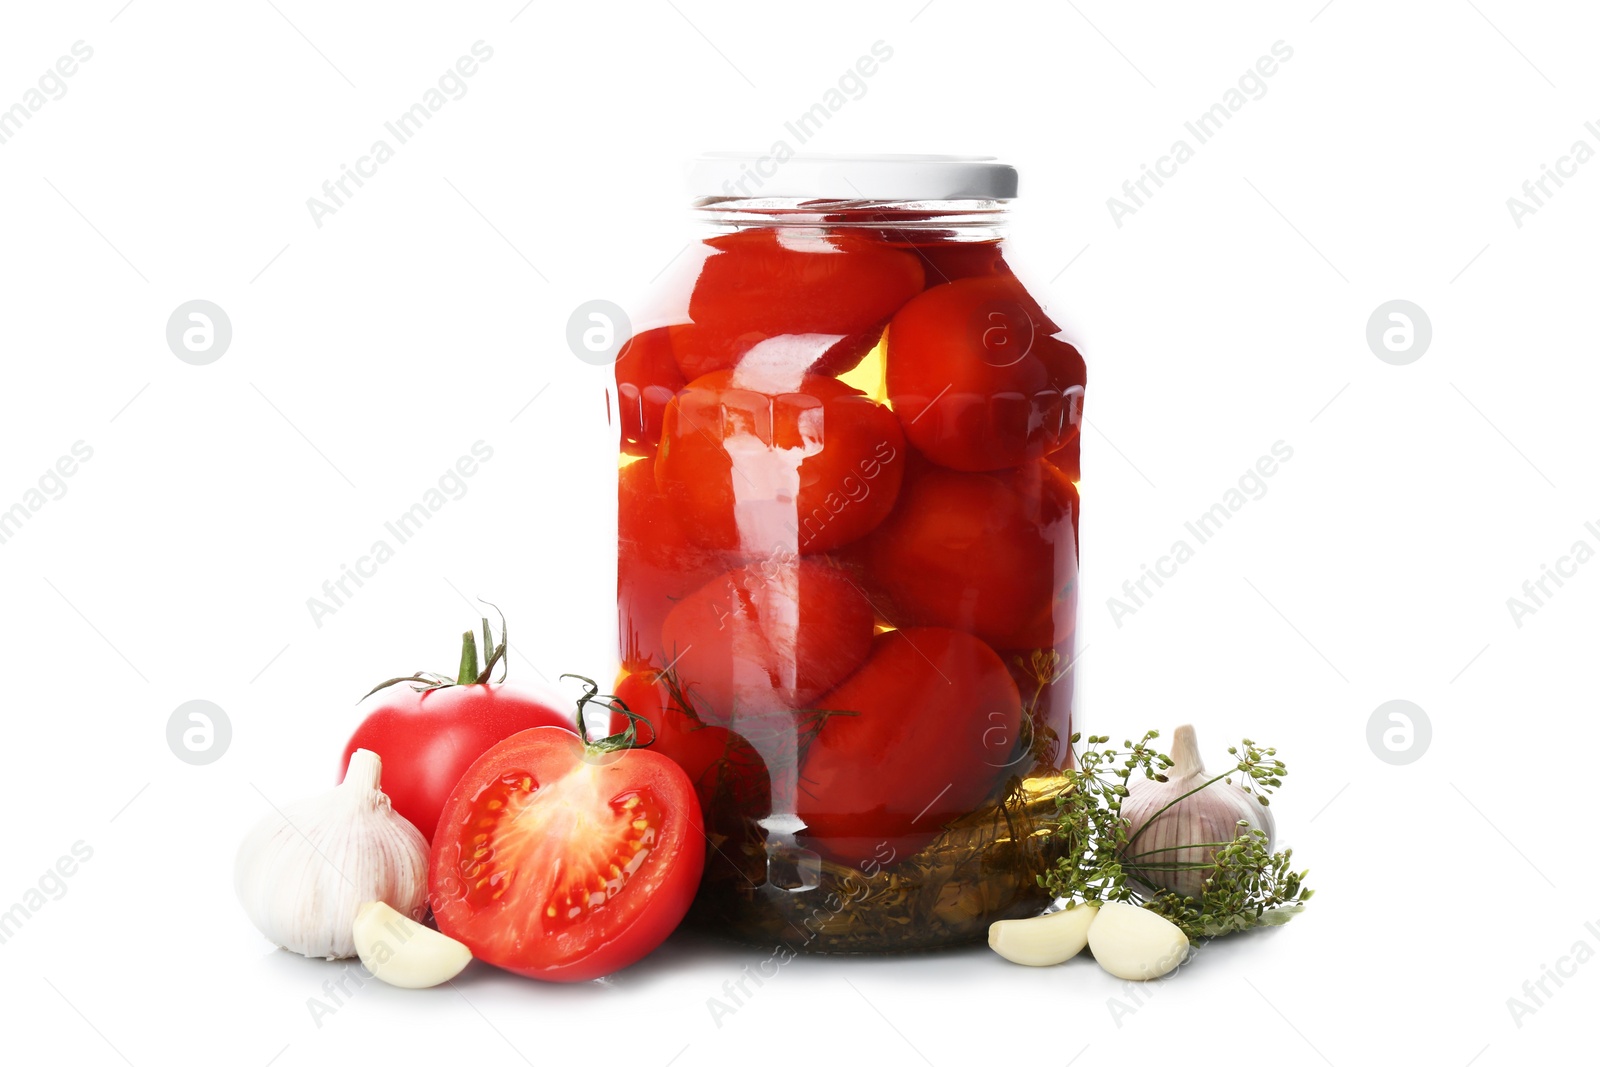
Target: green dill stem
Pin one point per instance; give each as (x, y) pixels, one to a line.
(1182, 848)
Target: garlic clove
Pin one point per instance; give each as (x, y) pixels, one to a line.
(1044, 940)
(402, 952)
(1135, 943)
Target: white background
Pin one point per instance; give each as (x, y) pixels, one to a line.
(429, 313)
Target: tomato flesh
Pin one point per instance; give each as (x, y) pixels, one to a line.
(559, 863)
(516, 840)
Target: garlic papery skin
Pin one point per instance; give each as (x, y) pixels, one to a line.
(1177, 848)
(304, 871)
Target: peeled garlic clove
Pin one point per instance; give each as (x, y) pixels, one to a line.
(403, 952)
(1045, 940)
(1135, 943)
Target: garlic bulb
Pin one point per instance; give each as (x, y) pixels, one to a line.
(1176, 848)
(304, 870)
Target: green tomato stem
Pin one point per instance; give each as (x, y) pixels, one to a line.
(468, 674)
(628, 738)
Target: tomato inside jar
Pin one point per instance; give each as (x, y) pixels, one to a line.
(848, 549)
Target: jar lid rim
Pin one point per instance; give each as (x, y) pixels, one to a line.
(887, 176)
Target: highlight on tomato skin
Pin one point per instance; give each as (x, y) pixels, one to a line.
(647, 377)
(837, 290)
(827, 458)
(564, 863)
(767, 637)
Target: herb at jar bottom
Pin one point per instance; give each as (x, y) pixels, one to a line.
(982, 867)
(1247, 884)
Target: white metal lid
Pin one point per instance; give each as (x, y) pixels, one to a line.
(757, 175)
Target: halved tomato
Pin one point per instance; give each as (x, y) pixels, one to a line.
(562, 861)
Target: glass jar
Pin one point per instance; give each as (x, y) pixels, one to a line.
(848, 551)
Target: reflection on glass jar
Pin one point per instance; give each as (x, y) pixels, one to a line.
(848, 552)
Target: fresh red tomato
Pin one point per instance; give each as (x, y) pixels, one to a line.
(767, 637)
(977, 379)
(821, 300)
(563, 862)
(427, 739)
(657, 565)
(726, 770)
(761, 466)
(934, 720)
(993, 553)
(647, 378)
